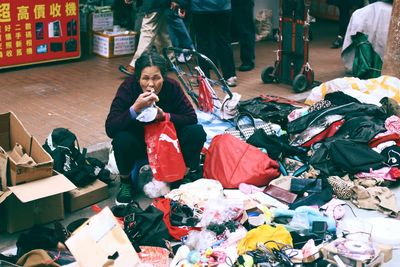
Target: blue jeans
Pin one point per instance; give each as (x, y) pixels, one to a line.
(177, 30)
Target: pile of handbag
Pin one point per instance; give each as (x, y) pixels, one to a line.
(315, 145)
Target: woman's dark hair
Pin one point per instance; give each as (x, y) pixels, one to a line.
(150, 58)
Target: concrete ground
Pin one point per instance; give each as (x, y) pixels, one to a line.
(77, 95)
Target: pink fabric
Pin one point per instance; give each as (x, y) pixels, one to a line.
(297, 113)
(334, 209)
(392, 124)
(383, 173)
(248, 188)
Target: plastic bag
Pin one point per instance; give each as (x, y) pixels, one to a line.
(263, 23)
(112, 164)
(163, 151)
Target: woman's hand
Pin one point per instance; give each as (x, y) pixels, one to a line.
(144, 100)
(160, 115)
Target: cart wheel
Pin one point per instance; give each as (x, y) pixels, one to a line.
(266, 74)
(300, 83)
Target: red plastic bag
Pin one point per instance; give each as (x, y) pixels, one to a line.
(163, 151)
(177, 232)
(205, 98)
(232, 161)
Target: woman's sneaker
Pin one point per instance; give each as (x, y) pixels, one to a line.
(124, 196)
(232, 81)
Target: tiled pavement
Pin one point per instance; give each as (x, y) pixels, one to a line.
(77, 94)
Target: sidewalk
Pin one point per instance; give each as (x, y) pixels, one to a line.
(77, 95)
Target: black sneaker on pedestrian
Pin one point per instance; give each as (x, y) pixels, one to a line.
(338, 42)
(124, 196)
(245, 67)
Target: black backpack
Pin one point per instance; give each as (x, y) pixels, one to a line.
(63, 147)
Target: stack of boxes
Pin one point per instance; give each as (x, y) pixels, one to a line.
(30, 191)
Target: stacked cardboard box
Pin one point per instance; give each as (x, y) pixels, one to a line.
(30, 193)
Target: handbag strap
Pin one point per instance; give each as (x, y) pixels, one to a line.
(241, 116)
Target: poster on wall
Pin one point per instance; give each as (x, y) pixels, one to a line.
(38, 31)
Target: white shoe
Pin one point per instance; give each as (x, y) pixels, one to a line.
(181, 58)
(232, 81)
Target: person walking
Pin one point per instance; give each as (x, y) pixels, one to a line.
(243, 22)
(153, 32)
(178, 31)
(212, 21)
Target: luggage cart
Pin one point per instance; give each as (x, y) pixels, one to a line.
(191, 75)
(292, 65)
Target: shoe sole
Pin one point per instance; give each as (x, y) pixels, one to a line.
(120, 203)
(244, 70)
(124, 71)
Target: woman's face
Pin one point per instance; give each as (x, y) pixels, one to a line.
(151, 79)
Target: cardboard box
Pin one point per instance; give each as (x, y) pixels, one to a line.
(37, 202)
(107, 45)
(86, 196)
(12, 131)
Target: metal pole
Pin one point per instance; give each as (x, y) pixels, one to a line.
(391, 60)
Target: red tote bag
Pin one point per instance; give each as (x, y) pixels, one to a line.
(232, 161)
(163, 151)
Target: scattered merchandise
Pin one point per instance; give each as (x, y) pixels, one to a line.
(283, 197)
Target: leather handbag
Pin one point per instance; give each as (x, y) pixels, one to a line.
(243, 130)
(280, 194)
(232, 162)
(301, 186)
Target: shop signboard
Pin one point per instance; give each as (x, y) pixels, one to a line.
(38, 31)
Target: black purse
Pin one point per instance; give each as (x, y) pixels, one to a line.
(146, 227)
(301, 186)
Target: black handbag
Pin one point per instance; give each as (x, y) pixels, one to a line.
(146, 227)
(301, 186)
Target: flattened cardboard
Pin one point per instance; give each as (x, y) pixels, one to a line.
(99, 238)
(42, 188)
(12, 131)
(82, 197)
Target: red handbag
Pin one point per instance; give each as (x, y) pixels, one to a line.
(163, 151)
(232, 162)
